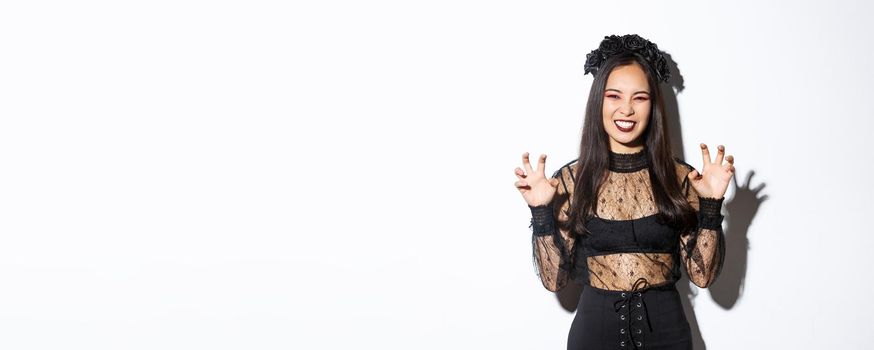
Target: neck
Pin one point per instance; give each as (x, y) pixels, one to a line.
(623, 148)
(626, 162)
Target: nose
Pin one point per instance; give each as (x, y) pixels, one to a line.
(626, 109)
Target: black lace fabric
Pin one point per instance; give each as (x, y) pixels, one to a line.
(553, 246)
(703, 251)
(629, 246)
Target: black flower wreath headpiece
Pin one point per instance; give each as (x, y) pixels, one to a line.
(614, 44)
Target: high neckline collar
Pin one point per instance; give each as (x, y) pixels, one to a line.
(628, 162)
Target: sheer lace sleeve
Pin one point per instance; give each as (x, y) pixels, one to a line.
(703, 250)
(553, 246)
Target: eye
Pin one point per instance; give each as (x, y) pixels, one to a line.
(641, 98)
(613, 96)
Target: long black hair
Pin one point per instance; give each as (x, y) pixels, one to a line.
(594, 155)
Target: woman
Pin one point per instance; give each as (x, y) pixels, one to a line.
(626, 214)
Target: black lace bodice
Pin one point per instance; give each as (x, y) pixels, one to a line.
(628, 243)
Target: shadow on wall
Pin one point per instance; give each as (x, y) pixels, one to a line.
(741, 208)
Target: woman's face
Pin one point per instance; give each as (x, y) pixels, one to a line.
(626, 108)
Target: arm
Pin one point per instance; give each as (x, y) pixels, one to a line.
(553, 246)
(702, 251)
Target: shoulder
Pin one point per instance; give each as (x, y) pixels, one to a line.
(683, 170)
(566, 174)
(682, 167)
(568, 170)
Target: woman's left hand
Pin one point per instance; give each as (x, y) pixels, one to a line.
(713, 180)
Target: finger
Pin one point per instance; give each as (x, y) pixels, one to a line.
(720, 153)
(520, 173)
(693, 174)
(734, 180)
(526, 163)
(730, 159)
(521, 184)
(541, 164)
(554, 182)
(705, 153)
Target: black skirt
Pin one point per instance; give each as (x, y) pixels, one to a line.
(649, 319)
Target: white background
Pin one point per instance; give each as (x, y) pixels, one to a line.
(338, 175)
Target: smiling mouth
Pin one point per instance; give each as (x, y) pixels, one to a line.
(624, 125)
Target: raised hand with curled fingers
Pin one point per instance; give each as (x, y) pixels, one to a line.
(713, 179)
(535, 187)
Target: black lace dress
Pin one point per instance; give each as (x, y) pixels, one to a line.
(630, 263)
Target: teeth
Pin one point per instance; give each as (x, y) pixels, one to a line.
(623, 124)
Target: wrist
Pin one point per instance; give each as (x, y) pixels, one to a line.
(542, 219)
(710, 212)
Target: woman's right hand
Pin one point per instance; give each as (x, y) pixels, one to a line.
(535, 187)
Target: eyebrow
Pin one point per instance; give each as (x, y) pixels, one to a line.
(641, 91)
